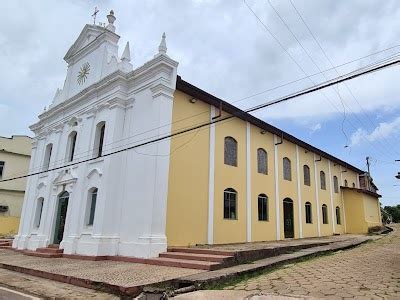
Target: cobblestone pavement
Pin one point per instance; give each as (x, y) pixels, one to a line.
(45, 288)
(370, 271)
(123, 274)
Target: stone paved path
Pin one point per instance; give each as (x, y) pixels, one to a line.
(47, 288)
(370, 271)
(123, 274)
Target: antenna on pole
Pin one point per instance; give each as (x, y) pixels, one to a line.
(367, 158)
(94, 15)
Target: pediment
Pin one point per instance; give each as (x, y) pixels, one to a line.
(93, 172)
(87, 36)
(64, 177)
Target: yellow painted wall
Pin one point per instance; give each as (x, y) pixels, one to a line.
(230, 231)
(337, 200)
(15, 152)
(262, 184)
(372, 211)
(187, 208)
(308, 193)
(362, 211)
(288, 189)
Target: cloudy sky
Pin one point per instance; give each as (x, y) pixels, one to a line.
(233, 49)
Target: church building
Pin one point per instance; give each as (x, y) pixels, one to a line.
(113, 176)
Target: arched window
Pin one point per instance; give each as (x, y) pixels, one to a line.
(230, 151)
(230, 204)
(308, 208)
(47, 157)
(262, 207)
(287, 169)
(322, 180)
(354, 185)
(324, 214)
(345, 183)
(306, 171)
(335, 184)
(92, 198)
(262, 161)
(71, 146)
(99, 139)
(338, 221)
(38, 212)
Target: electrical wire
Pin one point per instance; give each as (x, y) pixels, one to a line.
(239, 114)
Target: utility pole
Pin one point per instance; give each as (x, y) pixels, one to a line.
(367, 158)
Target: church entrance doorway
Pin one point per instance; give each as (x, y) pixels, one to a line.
(288, 218)
(62, 207)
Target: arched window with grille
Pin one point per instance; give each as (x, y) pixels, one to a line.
(324, 214)
(92, 199)
(346, 183)
(354, 185)
(71, 146)
(230, 204)
(263, 207)
(335, 184)
(338, 220)
(322, 180)
(287, 169)
(308, 209)
(306, 173)
(262, 161)
(230, 151)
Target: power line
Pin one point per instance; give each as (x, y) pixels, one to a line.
(89, 152)
(340, 79)
(294, 60)
(337, 72)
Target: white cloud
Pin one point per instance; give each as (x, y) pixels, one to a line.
(381, 132)
(315, 128)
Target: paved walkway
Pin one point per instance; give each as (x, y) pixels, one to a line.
(44, 288)
(370, 271)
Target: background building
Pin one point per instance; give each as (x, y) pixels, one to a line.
(15, 153)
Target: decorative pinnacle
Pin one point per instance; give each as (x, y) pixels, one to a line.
(162, 49)
(111, 19)
(126, 55)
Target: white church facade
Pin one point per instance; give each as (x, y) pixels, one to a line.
(231, 182)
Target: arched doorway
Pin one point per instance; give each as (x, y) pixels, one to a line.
(288, 222)
(62, 207)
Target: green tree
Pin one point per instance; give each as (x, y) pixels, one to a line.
(394, 211)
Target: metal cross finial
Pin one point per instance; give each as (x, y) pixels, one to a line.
(94, 15)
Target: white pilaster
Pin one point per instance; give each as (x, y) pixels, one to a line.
(299, 192)
(211, 180)
(248, 181)
(341, 196)
(317, 196)
(331, 195)
(277, 198)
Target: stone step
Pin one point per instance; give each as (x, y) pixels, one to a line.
(50, 250)
(53, 246)
(197, 256)
(5, 247)
(183, 263)
(41, 254)
(201, 251)
(5, 243)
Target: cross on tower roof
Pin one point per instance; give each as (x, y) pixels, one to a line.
(94, 15)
